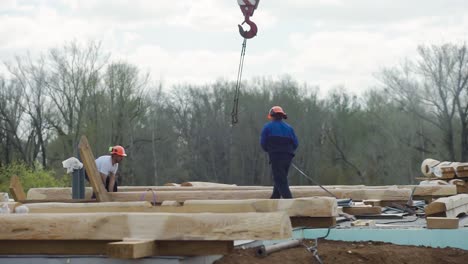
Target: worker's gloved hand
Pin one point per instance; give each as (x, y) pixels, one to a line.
(72, 164)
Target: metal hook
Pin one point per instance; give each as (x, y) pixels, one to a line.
(248, 7)
(252, 32)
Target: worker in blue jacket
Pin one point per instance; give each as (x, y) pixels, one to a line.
(280, 141)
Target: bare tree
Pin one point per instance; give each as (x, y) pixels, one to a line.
(11, 117)
(74, 75)
(423, 88)
(30, 78)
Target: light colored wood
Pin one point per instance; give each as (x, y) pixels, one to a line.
(99, 247)
(102, 207)
(131, 249)
(433, 182)
(171, 203)
(363, 223)
(421, 190)
(171, 184)
(462, 185)
(442, 223)
(371, 210)
(448, 206)
(89, 163)
(11, 205)
(55, 193)
(181, 196)
(312, 206)
(154, 226)
(373, 202)
(16, 189)
(205, 184)
(4, 197)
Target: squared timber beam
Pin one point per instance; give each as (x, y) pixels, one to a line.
(89, 163)
(131, 249)
(16, 189)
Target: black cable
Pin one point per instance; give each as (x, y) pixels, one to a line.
(235, 107)
(407, 221)
(312, 180)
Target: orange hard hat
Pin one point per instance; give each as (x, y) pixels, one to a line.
(276, 110)
(118, 150)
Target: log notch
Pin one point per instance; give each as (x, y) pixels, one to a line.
(448, 206)
(151, 226)
(90, 165)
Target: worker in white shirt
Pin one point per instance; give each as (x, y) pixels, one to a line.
(108, 165)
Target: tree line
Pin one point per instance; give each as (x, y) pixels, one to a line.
(419, 109)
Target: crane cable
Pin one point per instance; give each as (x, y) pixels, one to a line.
(235, 108)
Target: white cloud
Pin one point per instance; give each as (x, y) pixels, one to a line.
(324, 42)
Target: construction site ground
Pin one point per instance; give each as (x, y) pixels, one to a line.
(352, 252)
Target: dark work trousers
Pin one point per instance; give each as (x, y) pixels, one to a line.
(280, 164)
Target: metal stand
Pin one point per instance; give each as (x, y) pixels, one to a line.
(78, 182)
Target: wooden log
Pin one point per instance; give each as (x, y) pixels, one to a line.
(181, 196)
(160, 226)
(442, 223)
(65, 193)
(99, 247)
(462, 185)
(205, 184)
(448, 206)
(93, 174)
(131, 249)
(102, 207)
(16, 189)
(55, 193)
(370, 210)
(313, 207)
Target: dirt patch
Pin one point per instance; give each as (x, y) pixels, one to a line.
(350, 252)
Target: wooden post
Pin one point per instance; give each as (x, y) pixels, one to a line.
(93, 174)
(16, 189)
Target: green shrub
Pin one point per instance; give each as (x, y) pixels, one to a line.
(29, 178)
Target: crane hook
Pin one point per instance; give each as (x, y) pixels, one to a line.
(252, 31)
(248, 7)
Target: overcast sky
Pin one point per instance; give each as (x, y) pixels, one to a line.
(324, 43)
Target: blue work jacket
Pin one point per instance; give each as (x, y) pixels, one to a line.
(278, 137)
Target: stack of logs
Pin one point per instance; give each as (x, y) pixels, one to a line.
(193, 218)
(445, 173)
